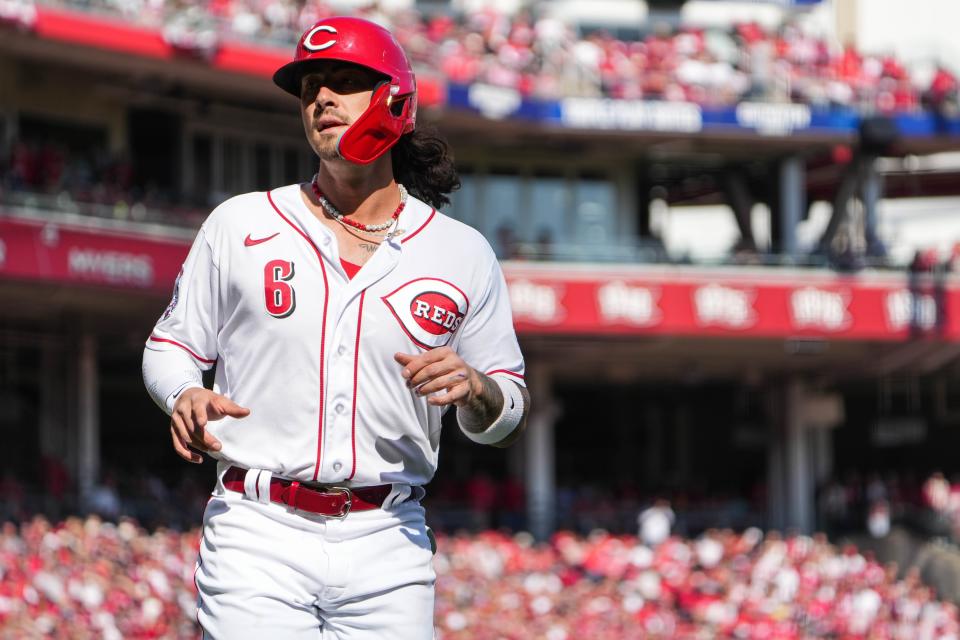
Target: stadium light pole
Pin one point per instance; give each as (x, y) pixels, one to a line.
(792, 203)
(88, 392)
(800, 485)
(540, 447)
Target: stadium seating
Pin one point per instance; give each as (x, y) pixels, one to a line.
(542, 57)
(120, 581)
(48, 177)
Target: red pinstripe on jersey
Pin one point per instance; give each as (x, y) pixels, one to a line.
(196, 569)
(356, 363)
(323, 330)
(197, 586)
(184, 347)
(420, 228)
(509, 373)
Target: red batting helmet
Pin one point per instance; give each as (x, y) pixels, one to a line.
(393, 105)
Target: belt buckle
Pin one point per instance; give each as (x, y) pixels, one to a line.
(347, 502)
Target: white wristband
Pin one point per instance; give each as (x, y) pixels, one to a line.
(171, 401)
(509, 417)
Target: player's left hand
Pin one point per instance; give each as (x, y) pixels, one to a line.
(441, 369)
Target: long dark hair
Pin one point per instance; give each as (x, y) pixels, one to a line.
(423, 163)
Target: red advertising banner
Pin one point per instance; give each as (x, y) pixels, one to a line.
(564, 299)
(53, 252)
(723, 302)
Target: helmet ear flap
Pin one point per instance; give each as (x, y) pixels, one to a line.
(404, 109)
(375, 131)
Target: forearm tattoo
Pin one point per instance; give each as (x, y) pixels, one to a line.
(484, 408)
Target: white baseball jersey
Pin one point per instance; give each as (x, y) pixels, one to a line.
(264, 297)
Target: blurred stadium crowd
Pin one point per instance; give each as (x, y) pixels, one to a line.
(721, 584)
(120, 581)
(110, 577)
(541, 56)
(88, 578)
(874, 502)
(45, 174)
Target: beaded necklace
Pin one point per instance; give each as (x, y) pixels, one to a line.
(334, 213)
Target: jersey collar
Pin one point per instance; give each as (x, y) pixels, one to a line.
(416, 216)
(413, 220)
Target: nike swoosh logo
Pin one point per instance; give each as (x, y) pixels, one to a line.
(249, 242)
(511, 403)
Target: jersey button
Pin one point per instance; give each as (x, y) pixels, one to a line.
(337, 466)
(341, 350)
(339, 408)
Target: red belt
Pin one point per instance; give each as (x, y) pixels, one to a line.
(334, 502)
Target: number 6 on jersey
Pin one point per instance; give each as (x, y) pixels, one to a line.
(280, 297)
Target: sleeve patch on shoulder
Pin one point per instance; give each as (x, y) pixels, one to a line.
(174, 299)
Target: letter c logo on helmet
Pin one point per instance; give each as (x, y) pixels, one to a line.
(308, 42)
(393, 105)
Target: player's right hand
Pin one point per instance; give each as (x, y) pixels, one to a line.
(193, 409)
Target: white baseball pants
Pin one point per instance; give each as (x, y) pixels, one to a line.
(268, 572)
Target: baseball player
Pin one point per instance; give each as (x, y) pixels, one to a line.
(343, 316)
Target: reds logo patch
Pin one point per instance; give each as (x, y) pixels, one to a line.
(429, 310)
